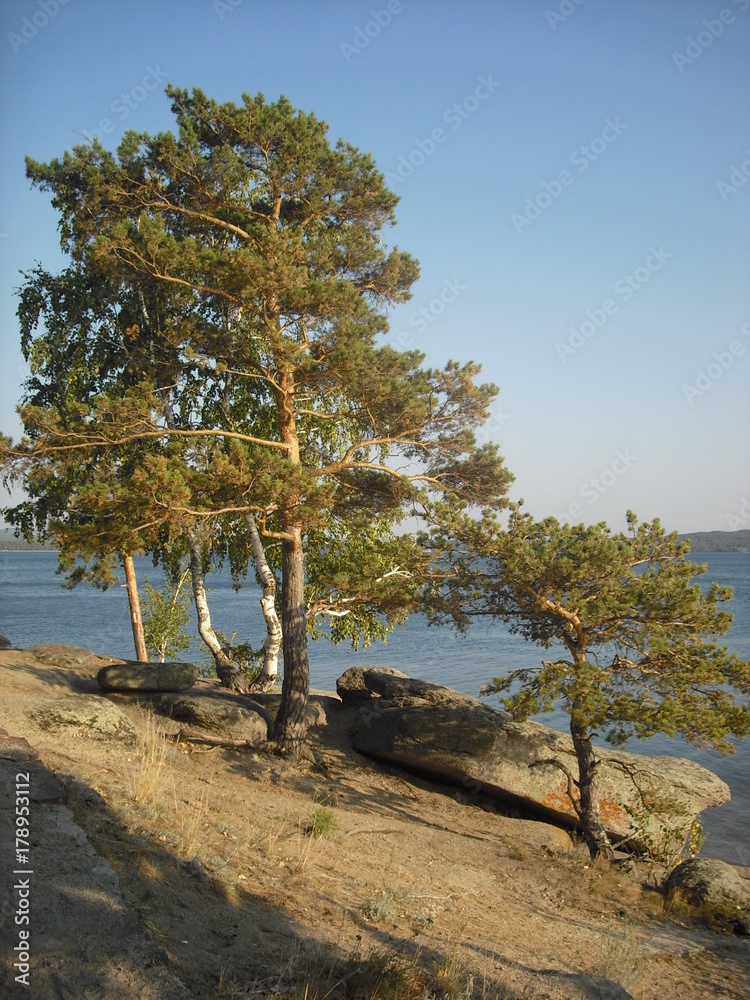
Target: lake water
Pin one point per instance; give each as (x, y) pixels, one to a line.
(35, 609)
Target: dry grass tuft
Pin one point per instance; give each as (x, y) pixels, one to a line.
(145, 779)
(622, 956)
(190, 820)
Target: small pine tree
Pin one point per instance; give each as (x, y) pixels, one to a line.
(636, 630)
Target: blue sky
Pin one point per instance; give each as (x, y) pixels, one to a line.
(573, 180)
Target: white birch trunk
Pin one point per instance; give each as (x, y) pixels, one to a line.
(229, 675)
(272, 643)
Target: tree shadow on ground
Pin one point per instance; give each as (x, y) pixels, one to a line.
(161, 927)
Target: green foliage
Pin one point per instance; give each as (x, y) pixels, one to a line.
(637, 634)
(166, 612)
(637, 629)
(322, 822)
(243, 656)
(363, 580)
(681, 840)
(212, 352)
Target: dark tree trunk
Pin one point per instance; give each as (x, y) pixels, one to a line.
(590, 817)
(291, 722)
(134, 601)
(229, 675)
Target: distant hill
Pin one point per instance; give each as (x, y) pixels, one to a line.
(719, 541)
(700, 541)
(9, 543)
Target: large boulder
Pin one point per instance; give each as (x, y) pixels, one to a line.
(453, 737)
(133, 675)
(714, 889)
(351, 687)
(222, 714)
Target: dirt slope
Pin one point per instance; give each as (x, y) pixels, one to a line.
(175, 870)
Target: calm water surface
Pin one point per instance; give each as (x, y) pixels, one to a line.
(35, 609)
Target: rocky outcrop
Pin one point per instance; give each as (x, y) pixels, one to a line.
(714, 889)
(59, 654)
(453, 737)
(5, 642)
(319, 704)
(133, 675)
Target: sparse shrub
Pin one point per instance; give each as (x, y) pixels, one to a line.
(677, 842)
(381, 906)
(322, 822)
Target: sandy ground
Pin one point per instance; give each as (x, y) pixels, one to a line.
(173, 870)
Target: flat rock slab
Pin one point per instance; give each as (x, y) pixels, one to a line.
(93, 715)
(148, 677)
(58, 654)
(351, 686)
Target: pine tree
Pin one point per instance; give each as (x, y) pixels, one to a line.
(263, 242)
(638, 632)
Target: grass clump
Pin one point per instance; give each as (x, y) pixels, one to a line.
(322, 822)
(621, 958)
(382, 975)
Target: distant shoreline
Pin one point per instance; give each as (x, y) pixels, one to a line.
(31, 548)
(700, 541)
